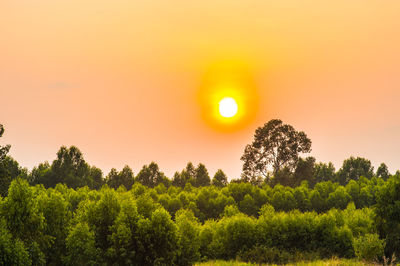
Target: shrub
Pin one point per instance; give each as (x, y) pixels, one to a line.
(369, 247)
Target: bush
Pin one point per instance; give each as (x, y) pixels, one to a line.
(369, 247)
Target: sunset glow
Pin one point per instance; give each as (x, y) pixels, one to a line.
(130, 82)
(228, 107)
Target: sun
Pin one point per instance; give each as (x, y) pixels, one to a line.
(228, 107)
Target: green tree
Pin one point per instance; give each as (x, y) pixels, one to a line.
(12, 251)
(324, 172)
(57, 215)
(101, 215)
(158, 239)
(275, 145)
(96, 178)
(69, 168)
(304, 171)
(339, 198)
(388, 213)
(283, 177)
(353, 168)
(151, 175)
(201, 176)
(187, 175)
(3, 149)
(124, 238)
(248, 206)
(24, 219)
(9, 170)
(188, 232)
(220, 179)
(81, 247)
(383, 171)
(124, 178)
(41, 174)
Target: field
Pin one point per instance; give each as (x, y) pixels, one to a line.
(329, 262)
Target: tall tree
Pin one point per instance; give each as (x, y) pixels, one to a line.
(151, 175)
(10, 170)
(188, 175)
(353, 168)
(125, 177)
(3, 149)
(388, 213)
(324, 172)
(201, 176)
(305, 171)
(220, 179)
(275, 145)
(383, 171)
(70, 168)
(5, 178)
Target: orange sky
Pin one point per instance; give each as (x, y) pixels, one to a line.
(123, 80)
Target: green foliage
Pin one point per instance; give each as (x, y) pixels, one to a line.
(201, 176)
(23, 218)
(324, 172)
(304, 171)
(151, 175)
(388, 213)
(189, 242)
(81, 246)
(369, 247)
(220, 179)
(68, 168)
(158, 239)
(12, 251)
(275, 145)
(9, 170)
(383, 171)
(353, 169)
(124, 178)
(158, 224)
(3, 149)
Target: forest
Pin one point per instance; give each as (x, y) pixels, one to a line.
(284, 208)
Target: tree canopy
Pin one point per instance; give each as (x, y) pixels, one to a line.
(275, 146)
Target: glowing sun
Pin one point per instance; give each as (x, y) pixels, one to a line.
(228, 107)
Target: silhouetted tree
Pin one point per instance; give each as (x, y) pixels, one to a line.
(220, 179)
(324, 172)
(125, 178)
(3, 149)
(96, 178)
(40, 174)
(383, 171)
(188, 175)
(304, 171)
(178, 181)
(201, 176)
(275, 145)
(284, 177)
(353, 168)
(151, 176)
(10, 170)
(69, 168)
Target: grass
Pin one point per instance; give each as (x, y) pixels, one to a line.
(328, 262)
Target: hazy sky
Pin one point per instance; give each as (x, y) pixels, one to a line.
(130, 82)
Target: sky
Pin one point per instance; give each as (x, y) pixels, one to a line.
(130, 82)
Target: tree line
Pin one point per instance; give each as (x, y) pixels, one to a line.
(272, 158)
(66, 212)
(175, 226)
(71, 169)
